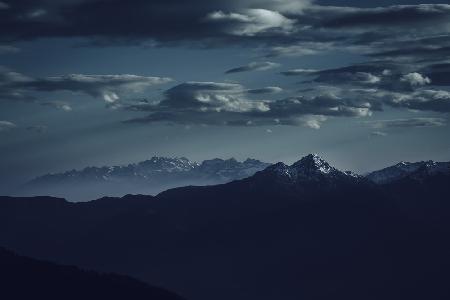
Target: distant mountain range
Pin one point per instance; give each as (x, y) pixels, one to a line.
(304, 231)
(161, 173)
(147, 177)
(26, 278)
(402, 170)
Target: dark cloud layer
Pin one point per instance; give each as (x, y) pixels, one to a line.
(406, 46)
(145, 20)
(281, 23)
(16, 86)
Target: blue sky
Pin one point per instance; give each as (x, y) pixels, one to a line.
(366, 88)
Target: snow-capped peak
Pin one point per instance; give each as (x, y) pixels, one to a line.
(313, 163)
(311, 168)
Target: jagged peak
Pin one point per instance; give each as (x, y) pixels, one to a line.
(164, 158)
(251, 161)
(404, 169)
(423, 162)
(277, 166)
(280, 169)
(313, 162)
(218, 161)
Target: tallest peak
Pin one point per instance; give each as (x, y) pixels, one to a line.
(313, 156)
(312, 159)
(313, 162)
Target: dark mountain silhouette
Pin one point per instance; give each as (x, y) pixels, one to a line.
(407, 169)
(26, 278)
(148, 177)
(305, 231)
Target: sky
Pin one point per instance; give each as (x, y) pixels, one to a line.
(110, 82)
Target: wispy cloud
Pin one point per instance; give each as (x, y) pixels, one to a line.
(37, 128)
(4, 49)
(254, 66)
(16, 86)
(408, 123)
(7, 125)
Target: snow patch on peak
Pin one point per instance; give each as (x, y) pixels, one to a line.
(311, 168)
(281, 170)
(313, 163)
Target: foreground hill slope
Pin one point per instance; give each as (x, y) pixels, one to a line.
(26, 278)
(305, 231)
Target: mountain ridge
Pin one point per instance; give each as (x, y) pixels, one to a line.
(331, 237)
(162, 173)
(147, 177)
(405, 169)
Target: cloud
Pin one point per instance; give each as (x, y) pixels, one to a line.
(300, 49)
(411, 35)
(107, 87)
(210, 96)
(359, 78)
(60, 105)
(407, 49)
(415, 79)
(16, 86)
(395, 16)
(254, 66)
(37, 128)
(438, 73)
(198, 20)
(395, 82)
(37, 13)
(226, 104)
(314, 122)
(266, 90)
(428, 100)
(296, 72)
(408, 123)
(283, 6)
(9, 86)
(251, 22)
(3, 5)
(285, 27)
(6, 126)
(378, 133)
(326, 104)
(5, 49)
(365, 74)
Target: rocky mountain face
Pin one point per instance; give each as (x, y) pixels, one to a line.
(310, 169)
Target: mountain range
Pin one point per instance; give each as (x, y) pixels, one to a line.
(161, 173)
(405, 169)
(148, 177)
(304, 231)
